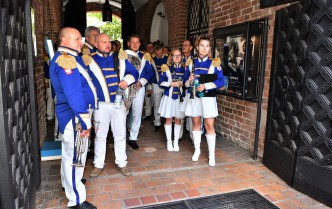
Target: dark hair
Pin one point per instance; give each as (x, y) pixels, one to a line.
(149, 43)
(157, 46)
(203, 38)
(133, 36)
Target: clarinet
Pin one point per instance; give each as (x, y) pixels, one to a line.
(176, 78)
(192, 85)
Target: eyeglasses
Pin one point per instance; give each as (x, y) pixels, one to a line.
(177, 56)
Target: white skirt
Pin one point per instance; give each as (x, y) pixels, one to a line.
(170, 108)
(205, 107)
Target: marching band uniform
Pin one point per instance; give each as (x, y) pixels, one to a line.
(76, 96)
(88, 48)
(106, 80)
(205, 107)
(145, 74)
(170, 105)
(156, 90)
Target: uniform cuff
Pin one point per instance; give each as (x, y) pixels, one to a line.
(129, 79)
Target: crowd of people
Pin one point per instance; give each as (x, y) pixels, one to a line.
(98, 85)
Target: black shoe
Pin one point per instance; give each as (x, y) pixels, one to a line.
(83, 181)
(133, 144)
(84, 205)
(146, 117)
(156, 128)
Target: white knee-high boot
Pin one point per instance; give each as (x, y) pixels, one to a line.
(211, 141)
(177, 131)
(168, 131)
(197, 135)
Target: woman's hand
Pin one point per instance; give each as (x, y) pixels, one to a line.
(200, 88)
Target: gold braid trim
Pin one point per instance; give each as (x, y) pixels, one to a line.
(87, 59)
(85, 50)
(66, 61)
(164, 68)
(123, 55)
(147, 56)
(216, 62)
(188, 62)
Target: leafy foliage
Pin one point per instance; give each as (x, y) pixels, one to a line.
(113, 29)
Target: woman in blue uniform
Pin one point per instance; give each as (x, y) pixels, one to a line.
(203, 76)
(171, 81)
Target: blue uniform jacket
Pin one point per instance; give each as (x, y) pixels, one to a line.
(147, 72)
(105, 78)
(166, 78)
(73, 88)
(87, 46)
(204, 66)
(158, 62)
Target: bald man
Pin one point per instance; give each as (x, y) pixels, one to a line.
(108, 78)
(76, 98)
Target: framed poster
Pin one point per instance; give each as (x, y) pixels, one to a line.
(240, 49)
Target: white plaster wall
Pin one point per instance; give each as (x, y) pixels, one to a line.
(159, 28)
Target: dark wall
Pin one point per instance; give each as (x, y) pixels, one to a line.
(128, 21)
(75, 15)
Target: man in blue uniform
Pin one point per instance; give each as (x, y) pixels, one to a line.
(157, 92)
(76, 97)
(108, 78)
(90, 33)
(141, 62)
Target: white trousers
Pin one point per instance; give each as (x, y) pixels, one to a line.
(157, 94)
(50, 104)
(107, 114)
(71, 175)
(135, 114)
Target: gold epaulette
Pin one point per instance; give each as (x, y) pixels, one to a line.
(164, 68)
(216, 62)
(66, 61)
(46, 59)
(123, 55)
(85, 49)
(143, 52)
(87, 59)
(147, 56)
(188, 62)
(153, 55)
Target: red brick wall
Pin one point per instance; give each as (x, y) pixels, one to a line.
(52, 18)
(176, 12)
(39, 72)
(144, 19)
(237, 118)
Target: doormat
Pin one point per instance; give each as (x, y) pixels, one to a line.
(245, 199)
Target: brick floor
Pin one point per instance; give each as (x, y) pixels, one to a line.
(162, 176)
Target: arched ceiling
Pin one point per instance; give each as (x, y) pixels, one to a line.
(116, 3)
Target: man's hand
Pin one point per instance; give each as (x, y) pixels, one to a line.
(85, 133)
(138, 85)
(149, 92)
(123, 85)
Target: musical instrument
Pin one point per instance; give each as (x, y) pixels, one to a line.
(192, 85)
(177, 79)
(79, 145)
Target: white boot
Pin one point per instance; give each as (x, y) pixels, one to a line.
(197, 143)
(168, 131)
(211, 141)
(177, 131)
